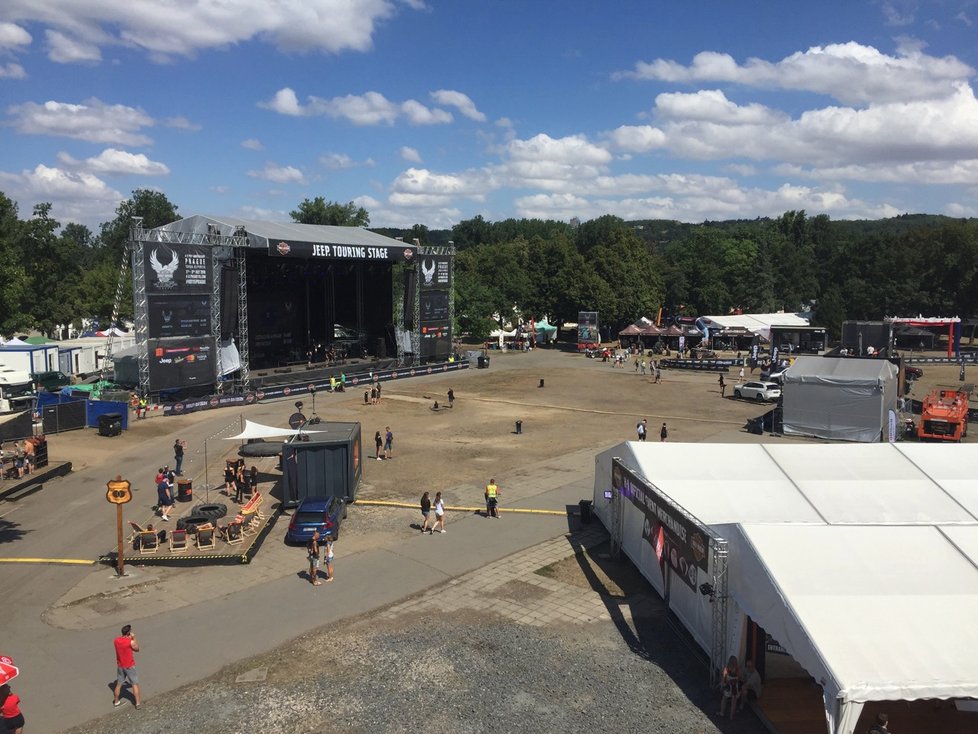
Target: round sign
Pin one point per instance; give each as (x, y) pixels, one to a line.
(296, 420)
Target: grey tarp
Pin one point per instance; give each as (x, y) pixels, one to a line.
(845, 399)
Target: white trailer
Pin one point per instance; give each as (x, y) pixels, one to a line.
(86, 355)
(30, 358)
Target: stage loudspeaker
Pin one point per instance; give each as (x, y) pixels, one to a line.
(410, 294)
(229, 302)
(380, 348)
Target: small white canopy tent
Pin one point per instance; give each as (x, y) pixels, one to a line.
(254, 430)
(860, 559)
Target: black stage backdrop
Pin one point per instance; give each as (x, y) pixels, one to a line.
(183, 362)
(434, 284)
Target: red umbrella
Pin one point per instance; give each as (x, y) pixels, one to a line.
(8, 671)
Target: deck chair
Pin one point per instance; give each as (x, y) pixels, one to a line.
(136, 530)
(149, 542)
(253, 506)
(233, 532)
(250, 524)
(205, 537)
(178, 541)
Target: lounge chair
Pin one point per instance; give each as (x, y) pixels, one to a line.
(233, 533)
(136, 530)
(148, 542)
(178, 541)
(206, 536)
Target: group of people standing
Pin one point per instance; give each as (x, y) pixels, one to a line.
(23, 458)
(314, 547)
(372, 396)
(238, 482)
(384, 443)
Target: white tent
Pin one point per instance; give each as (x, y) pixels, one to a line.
(759, 323)
(258, 430)
(860, 559)
(846, 399)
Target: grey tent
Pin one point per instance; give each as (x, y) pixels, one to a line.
(845, 399)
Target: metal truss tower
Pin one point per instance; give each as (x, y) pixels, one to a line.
(229, 249)
(718, 647)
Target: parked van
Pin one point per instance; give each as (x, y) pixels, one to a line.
(51, 381)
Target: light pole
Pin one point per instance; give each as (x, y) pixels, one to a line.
(312, 391)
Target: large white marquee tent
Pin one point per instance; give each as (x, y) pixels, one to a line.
(861, 560)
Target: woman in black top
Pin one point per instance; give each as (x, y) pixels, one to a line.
(228, 478)
(379, 441)
(239, 485)
(253, 480)
(425, 511)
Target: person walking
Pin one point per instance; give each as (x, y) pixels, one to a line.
(253, 481)
(178, 447)
(439, 506)
(379, 442)
(380, 389)
(328, 556)
(388, 443)
(451, 397)
(723, 387)
(312, 551)
(663, 433)
(13, 719)
(740, 374)
(492, 499)
(125, 661)
(642, 428)
(425, 512)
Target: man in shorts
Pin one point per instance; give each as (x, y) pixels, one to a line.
(388, 443)
(125, 660)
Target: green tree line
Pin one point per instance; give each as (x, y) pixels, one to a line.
(52, 275)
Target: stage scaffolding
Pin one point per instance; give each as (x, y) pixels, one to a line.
(225, 250)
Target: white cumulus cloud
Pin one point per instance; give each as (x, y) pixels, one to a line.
(852, 73)
(74, 196)
(112, 161)
(93, 121)
(279, 174)
(367, 109)
(14, 37)
(410, 154)
(460, 101)
(185, 27)
(11, 70)
(252, 144)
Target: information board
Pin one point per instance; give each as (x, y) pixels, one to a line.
(183, 362)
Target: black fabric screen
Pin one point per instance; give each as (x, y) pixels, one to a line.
(229, 302)
(410, 293)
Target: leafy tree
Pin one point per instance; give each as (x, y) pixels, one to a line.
(471, 233)
(320, 211)
(14, 283)
(54, 279)
(153, 206)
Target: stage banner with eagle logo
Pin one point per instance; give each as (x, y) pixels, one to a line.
(176, 270)
(434, 285)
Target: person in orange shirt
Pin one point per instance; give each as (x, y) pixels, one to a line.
(13, 719)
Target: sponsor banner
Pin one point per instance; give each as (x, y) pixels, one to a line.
(213, 401)
(174, 269)
(176, 316)
(717, 365)
(587, 328)
(965, 357)
(434, 307)
(395, 252)
(681, 544)
(302, 388)
(435, 272)
(175, 363)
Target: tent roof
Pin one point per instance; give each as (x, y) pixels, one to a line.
(261, 233)
(844, 553)
(258, 430)
(840, 370)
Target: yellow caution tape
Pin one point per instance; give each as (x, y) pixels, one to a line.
(414, 506)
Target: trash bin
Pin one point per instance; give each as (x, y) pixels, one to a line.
(110, 424)
(541, 382)
(483, 362)
(519, 427)
(586, 511)
(185, 490)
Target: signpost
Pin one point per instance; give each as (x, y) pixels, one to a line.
(119, 493)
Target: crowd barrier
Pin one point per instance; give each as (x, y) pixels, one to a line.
(300, 388)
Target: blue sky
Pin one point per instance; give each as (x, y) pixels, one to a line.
(434, 111)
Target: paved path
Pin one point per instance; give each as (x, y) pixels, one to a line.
(215, 617)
